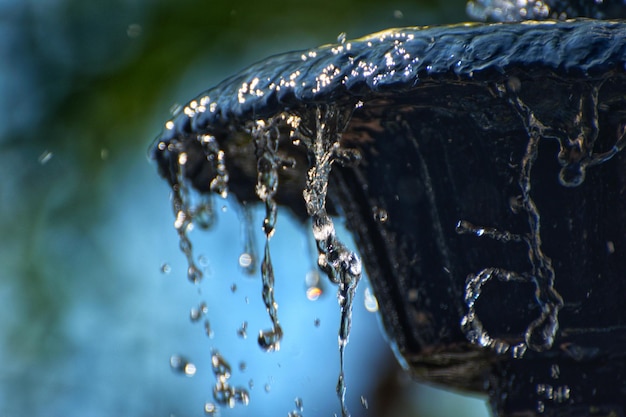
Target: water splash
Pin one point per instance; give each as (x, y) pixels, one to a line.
(320, 131)
(223, 392)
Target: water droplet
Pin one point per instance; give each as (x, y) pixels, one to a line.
(134, 30)
(298, 410)
(518, 351)
(245, 260)
(233, 288)
(207, 329)
(243, 330)
(555, 371)
(316, 322)
(182, 365)
(166, 268)
(203, 261)
(380, 214)
(313, 293)
(341, 38)
(267, 387)
(371, 303)
(196, 313)
(194, 274)
(364, 402)
(540, 407)
(397, 14)
(243, 366)
(211, 409)
(45, 157)
(269, 340)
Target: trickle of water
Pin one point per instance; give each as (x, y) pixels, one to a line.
(182, 365)
(321, 134)
(192, 208)
(266, 135)
(540, 333)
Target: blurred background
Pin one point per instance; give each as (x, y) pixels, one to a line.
(93, 290)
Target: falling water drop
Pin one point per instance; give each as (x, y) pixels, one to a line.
(371, 303)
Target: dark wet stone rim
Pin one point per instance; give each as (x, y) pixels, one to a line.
(398, 61)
